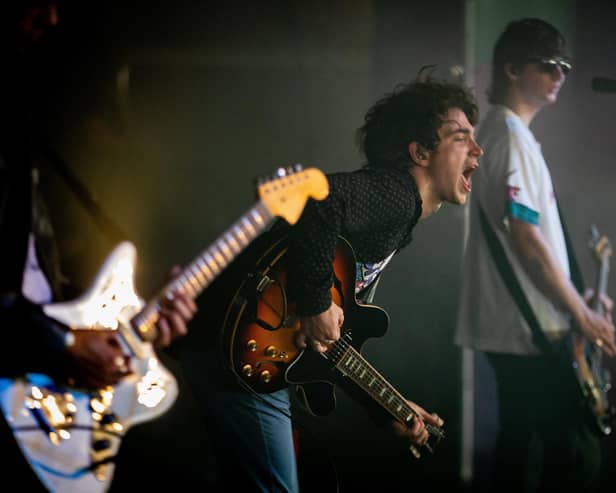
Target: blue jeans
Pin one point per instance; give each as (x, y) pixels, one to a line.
(252, 437)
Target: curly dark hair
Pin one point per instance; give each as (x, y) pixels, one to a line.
(522, 40)
(412, 112)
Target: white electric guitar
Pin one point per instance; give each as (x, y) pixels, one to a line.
(70, 437)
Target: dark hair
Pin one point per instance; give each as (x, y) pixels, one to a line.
(412, 112)
(522, 40)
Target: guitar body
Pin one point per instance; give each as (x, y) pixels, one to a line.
(594, 380)
(70, 437)
(260, 328)
(259, 332)
(593, 376)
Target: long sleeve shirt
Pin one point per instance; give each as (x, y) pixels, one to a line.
(375, 209)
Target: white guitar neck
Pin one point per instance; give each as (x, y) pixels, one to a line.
(202, 271)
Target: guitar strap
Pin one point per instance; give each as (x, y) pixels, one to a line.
(113, 232)
(511, 281)
(574, 268)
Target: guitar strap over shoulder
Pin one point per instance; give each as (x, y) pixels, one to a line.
(512, 283)
(574, 268)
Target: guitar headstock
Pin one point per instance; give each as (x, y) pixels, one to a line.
(600, 246)
(286, 193)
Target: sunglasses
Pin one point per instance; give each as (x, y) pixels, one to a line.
(550, 65)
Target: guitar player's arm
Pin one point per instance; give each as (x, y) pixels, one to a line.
(541, 267)
(35, 343)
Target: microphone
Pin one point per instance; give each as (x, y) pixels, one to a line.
(603, 84)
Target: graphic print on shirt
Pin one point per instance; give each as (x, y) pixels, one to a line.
(366, 273)
(517, 210)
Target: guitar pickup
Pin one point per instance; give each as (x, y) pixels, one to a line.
(264, 283)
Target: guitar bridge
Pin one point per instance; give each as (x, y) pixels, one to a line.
(52, 411)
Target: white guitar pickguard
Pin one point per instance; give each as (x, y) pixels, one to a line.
(68, 436)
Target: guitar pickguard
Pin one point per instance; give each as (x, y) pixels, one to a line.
(70, 437)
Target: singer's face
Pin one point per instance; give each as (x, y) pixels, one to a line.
(539, 83)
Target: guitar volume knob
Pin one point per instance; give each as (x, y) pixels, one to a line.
(247, 370)
(271, 351)
(251, 345)
(265, 376)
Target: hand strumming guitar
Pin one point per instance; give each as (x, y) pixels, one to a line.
(321, 330)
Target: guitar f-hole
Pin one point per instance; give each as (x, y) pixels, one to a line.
(262, 287)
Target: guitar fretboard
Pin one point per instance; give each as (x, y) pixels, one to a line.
(352, 364)
(202, 271)
(601, 288)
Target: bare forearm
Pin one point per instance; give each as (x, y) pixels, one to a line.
(543, 269)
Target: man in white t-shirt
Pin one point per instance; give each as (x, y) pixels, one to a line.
(544, 442)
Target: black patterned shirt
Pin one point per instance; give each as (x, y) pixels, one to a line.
(375, 209)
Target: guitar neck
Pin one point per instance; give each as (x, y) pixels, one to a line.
(352, 364)
(601, 287)
(204, 269)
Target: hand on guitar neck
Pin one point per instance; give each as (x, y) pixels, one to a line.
(175, 313)
(319, 332)
(603, 306)
(424, 426)
(96, 357)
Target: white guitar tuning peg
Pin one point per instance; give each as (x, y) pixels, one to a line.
(280, 172)
(297, 167)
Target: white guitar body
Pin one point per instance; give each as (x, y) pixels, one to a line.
(71, 437)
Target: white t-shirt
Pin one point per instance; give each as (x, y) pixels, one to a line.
(35, 286)
(513, 180)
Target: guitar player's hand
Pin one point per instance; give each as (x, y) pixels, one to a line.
(95, 359)
(320, 331)
(175, 314)
(417, 434)
(606, 302)
(597, 328)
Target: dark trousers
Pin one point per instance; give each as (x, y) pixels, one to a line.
(544, 441)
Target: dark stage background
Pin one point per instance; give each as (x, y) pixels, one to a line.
(168, 113)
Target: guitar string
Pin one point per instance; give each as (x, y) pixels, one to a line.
(341, 347)
(378, 391)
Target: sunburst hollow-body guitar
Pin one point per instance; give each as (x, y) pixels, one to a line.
(260, 328)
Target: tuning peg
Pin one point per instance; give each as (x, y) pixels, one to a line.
(594, 235)
(594, 232)
(280, 172)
